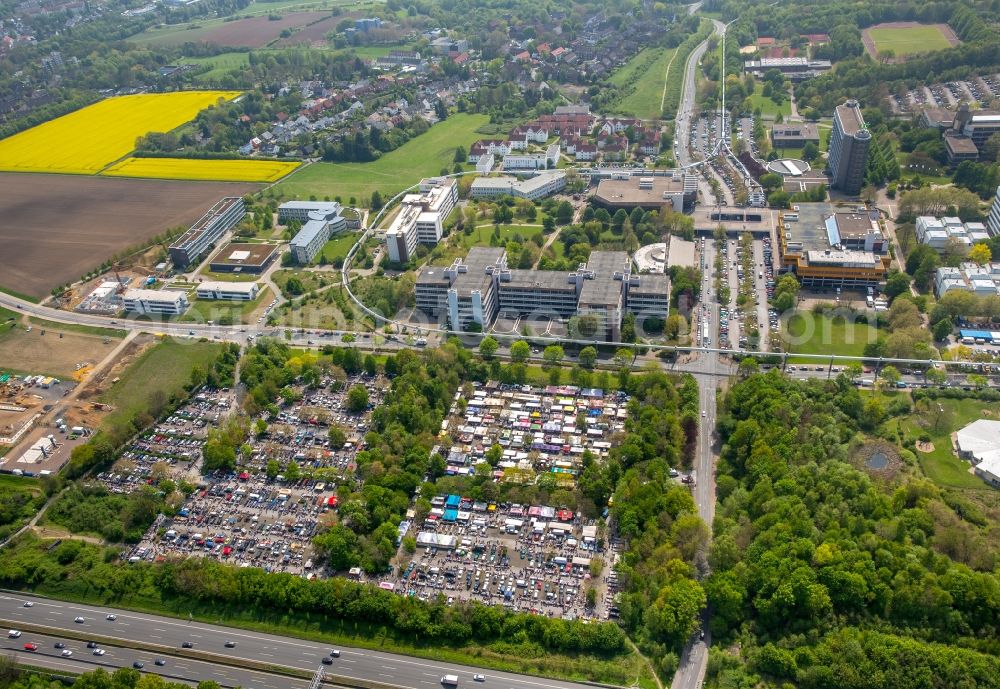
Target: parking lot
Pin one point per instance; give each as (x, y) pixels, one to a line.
(535, 559)
(980, 89)
(259, 516)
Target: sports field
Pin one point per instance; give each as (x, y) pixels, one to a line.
(422, 156)
(217, 170)
(908, 38)
(86, 141)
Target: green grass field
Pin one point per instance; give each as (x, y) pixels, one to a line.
(942, 466)
(337, 247)
(647, 95)
(420, 157)
(910, 40)
(166, 366)
(220, 64)
(636, 66)
(481, 235)
(768, 108)
(807, 333)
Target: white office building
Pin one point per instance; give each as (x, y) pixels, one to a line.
(155, 302)
(300, 210)
(533, 161)
(203, 235)
(421, 218)
(979, 442)
(942, 233)
(983, 281)
(228, 291)
(993, 221)
(320, 225)
(532, 188)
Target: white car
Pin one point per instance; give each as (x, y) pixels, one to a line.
(111, 618)
(13, 634)
(479, 678)
(703, 412)
(66, 653)
(28, 604)
(99, 651)
(78, 620)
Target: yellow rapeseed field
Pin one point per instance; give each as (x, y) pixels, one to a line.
(218, 170)
(86, 141)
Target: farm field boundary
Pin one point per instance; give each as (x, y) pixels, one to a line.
(237, 170)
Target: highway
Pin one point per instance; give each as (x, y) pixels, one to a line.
(361, 664)
(185, 670)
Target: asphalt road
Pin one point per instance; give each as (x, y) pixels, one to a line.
(174, 669)
(399, 670)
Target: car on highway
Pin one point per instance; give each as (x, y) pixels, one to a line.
(138, 665)
(111, 618)
(30, 647)
(335, 653)
(230, 644)
(91, 644)
(187, 644)
(13, 634)
(79, 620)
(66, 653)
(326, 660)
(479, 678)
(28, 604)
(59, 644)
(160, 661)
(99, 651)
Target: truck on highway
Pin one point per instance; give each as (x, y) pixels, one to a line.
(450, 680)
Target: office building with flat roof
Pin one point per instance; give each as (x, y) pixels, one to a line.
(228, 291)
(993, 220)
(794, 68)
(539, 292)
(983, 281)
(827, 249)
(649, 192)
(201, 236)
(602, 292)
(533, 188)
(478, 288)
(147, 302)
(300, 210)
(648, 296)
(315, 233)
(849, 144)
(239, 257)
(421, 218)
(949, 233)
(794, 135)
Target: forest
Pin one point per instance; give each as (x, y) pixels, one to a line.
(828, 576)
(123, 678)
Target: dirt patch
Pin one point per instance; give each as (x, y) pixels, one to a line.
(253, 32)
(312, 34)
(869, 42)
(55, 228)
(924, 446)
(54, 353)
